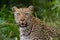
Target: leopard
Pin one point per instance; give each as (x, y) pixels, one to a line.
(33, 28)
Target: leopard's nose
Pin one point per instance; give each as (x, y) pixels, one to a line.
(22, 19)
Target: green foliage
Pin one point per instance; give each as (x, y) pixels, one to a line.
(9, 32)
(47, 10)
(8, 28)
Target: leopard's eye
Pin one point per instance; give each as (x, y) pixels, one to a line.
(18, 13)
(27, 14)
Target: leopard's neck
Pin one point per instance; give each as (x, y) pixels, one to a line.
(22, 36)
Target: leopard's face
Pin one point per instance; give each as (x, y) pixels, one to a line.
(22, 15)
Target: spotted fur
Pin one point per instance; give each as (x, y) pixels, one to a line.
(32, 28)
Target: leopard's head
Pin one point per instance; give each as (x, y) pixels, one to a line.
(23, 15)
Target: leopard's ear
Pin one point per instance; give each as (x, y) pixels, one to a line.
(31, 7)
(14, 8)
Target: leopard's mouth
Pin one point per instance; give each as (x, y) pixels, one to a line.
(23, 25)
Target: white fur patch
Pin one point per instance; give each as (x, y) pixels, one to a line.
(22, 37)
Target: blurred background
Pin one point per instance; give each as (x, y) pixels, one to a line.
(47, 10)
